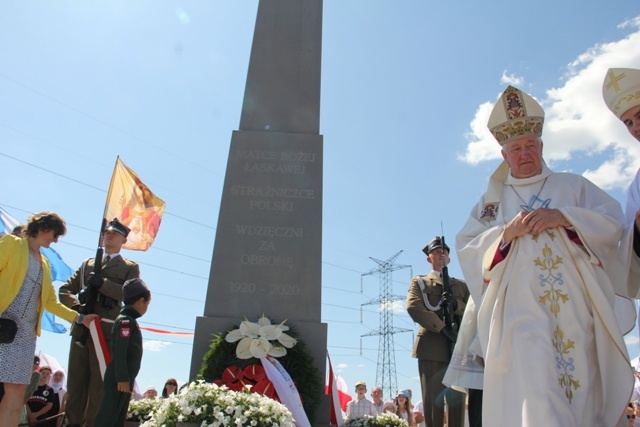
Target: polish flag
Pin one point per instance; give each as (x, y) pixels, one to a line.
(337, 388)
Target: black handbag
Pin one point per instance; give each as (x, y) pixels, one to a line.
(9, 327)
(8, 330)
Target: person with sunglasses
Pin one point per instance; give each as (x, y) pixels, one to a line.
(26, 291)
(170, 387)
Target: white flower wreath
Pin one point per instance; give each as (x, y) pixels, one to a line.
(256, 339)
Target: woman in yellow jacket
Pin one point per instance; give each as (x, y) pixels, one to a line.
(25, 292)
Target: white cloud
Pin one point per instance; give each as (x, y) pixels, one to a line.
(633, 22)
(153, 345)
(482, 145)
(631, 339)
(342, 366)
(611, 171)
(395, 307)
(577, 120)
(513, 80)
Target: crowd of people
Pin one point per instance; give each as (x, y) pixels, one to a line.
(170, 387)
(550, 263)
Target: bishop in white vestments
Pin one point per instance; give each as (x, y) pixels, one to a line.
(535, 253)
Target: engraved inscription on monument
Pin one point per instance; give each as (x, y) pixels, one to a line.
(270, 227)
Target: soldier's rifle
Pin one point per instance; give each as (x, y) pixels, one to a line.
(90, 296)
(449, 321)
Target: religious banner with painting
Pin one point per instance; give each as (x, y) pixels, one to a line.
(133, 203)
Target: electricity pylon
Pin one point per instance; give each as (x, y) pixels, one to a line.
(386, 370)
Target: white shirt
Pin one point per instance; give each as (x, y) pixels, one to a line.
(358, 408)
(419, 408)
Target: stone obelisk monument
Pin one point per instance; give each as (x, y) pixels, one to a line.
(267, 254)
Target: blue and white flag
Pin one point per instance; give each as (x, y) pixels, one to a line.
(7, 222)
(59, 270)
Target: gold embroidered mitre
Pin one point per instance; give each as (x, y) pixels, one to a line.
(514, 116)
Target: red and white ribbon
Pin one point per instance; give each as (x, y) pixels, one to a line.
(102, 350)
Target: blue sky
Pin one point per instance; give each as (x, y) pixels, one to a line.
(407, 87)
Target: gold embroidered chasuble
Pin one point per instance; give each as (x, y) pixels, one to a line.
(554, 353)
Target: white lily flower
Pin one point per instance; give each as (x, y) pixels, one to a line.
(270, 332)
(277, 351)
(254, 339)
(235, 335)
(283, 327)
(260, 347)
(264, 321)
(250, 329)
(243, 348)
(287, 340)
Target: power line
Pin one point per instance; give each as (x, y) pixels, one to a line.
(86, 158)
(96, 188)
(109, 125)
(52, 172)
(155, 248)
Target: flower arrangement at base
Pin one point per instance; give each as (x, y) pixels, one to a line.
(386, 419)
(233, 360)
(140, 410)
(209, 405)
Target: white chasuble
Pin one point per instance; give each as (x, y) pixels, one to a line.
(630, 263)
(554, 353)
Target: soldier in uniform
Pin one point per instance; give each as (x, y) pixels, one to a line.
(126, 351)
(435, 342)
(84, 380)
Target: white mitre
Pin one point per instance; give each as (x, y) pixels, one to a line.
(621, 89)
(514, 116)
